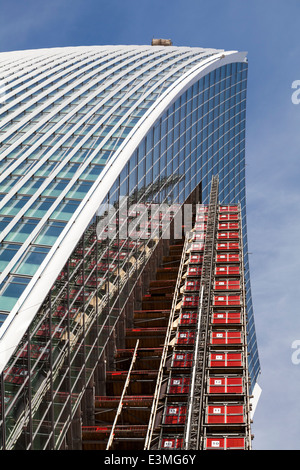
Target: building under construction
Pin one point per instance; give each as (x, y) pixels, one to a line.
(180, 379)
(117, 330)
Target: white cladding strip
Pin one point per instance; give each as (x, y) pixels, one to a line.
(60, 94)
(30, 301)
(17, 64)
(42, 76)
(256, 396)
(61, 122)
(74, 178)
(76, 126)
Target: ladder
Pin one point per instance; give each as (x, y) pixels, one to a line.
(193, 428)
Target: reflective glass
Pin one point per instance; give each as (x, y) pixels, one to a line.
(31, 261)
(49, 233)
(12, 291)
(21, 230)
(7, 252)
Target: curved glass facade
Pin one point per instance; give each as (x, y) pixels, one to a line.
(85, 131)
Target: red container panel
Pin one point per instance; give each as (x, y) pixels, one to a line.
(228, 226)
(227, 284)
(104, 267)
(226, 337)
(198, 236)
(179, 385)
(185, 337)
(225, 359)
(201, 209)
(198, 246)
(190, 301)
(201, 218)
(225, 385)
(15, 375)
(195, 258)
(233, 208)
(189, 318)
(228, 258)
(228, 246)
(192, 285)
(194, 271)
(223, 217)
(227, 300)
(229, 443)
(227, 270)
(219, 318)
(182, 359)
(228, 235)
(175, 414)
(225, 414)
(200, 227)
(172, 443)
(36, 351)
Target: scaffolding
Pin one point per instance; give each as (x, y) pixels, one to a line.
(182, 380)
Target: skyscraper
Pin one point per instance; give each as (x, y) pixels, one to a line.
(91, 137)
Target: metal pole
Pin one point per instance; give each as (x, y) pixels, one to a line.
(120, 406)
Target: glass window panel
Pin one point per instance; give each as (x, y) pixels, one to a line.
(11, 292)
(39, 208)
(46, 169)
(68, 171)
(32, 260)
(65, 210)
(4, 221)
(79, 190)
(7, 252)
(21, 230)
(91, 172)
(49, 233)
(55, 188)
(14, 205)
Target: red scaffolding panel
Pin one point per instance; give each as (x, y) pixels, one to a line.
(226, 337)
(223, 217)
(227, 270)
(182, 359)
(230, 246)
(225, 359)
(225, 414)
(185, 337)
(190, 301)
(227, 300)
(227, 284)
(228, 258)
(224, 443)
(175, 414)
(228, 226)
(220, 318)
(227, 208)
(192, 285)
(228, 235)
(189, 318)
(179, 385)
(171, 443)
(225, 385)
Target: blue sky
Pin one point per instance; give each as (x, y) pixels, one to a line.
(269, 31)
